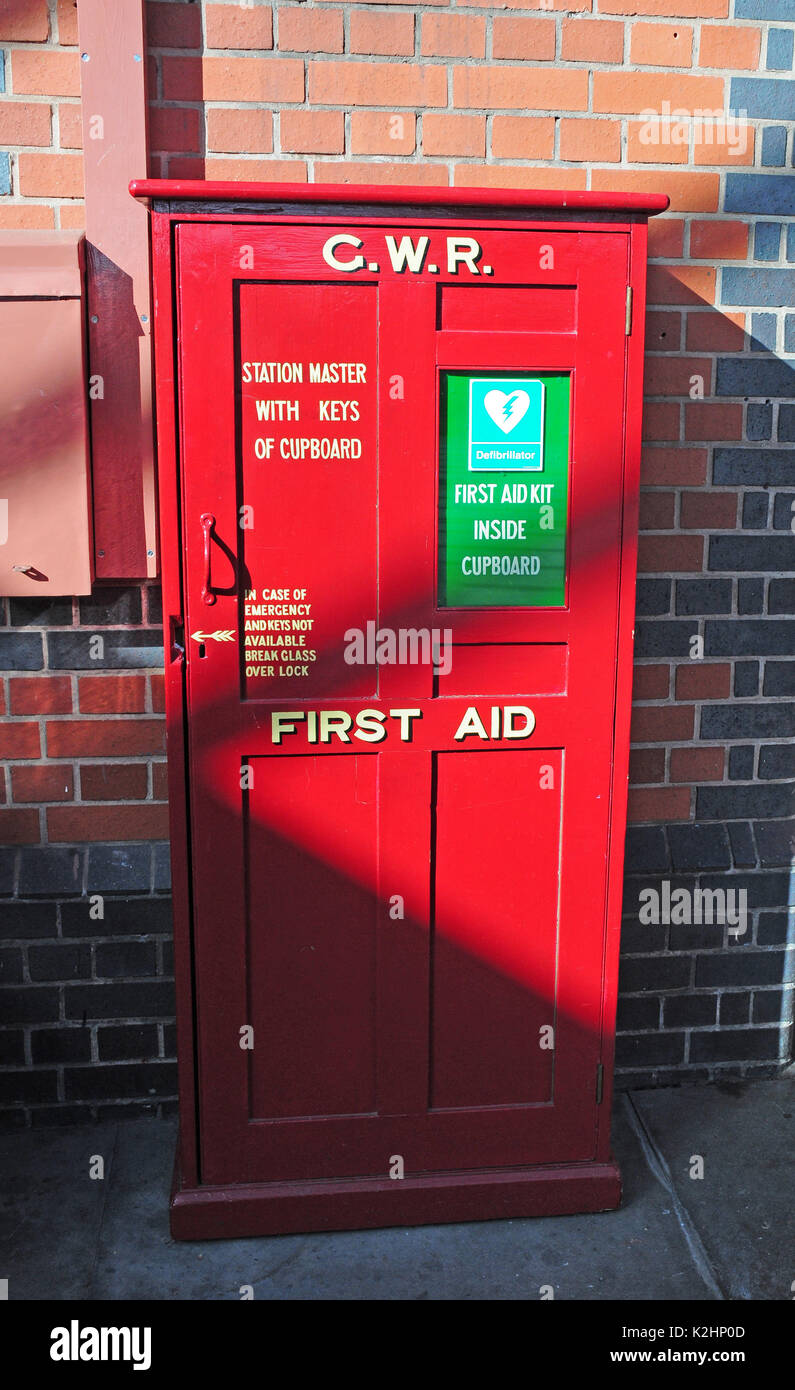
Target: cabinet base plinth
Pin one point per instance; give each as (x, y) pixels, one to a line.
(263, 1209)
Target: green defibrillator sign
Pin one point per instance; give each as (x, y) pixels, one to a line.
(506, 423)
(503, 489)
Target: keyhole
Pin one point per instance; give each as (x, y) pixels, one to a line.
(202, 649)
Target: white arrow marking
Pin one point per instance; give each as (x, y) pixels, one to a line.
(221, 635)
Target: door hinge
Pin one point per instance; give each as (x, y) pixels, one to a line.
(628, 315)
(600, 1082)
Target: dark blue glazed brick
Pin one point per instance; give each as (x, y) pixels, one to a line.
(791, 242)
(746, 678)
(743, 285)
(119, 868)
(41, 612)
(743, 721)
(652, 597)
(759, 421)
(779, 50)
(13, 1047)
(133, 1042)
(53, 1045)
(699, 596)
(752, 553)
(767, 237)
(50, 870)
(734, 1007)
(783, 511)
(39, 1005)
(133, 916)
(632, 1013)
(760, 96)
(750, 595)
(768, 1006)
(765, 890)
(139, 1000)
(8, 860)
(781, 596)
(779, 679)
(29, 920)
(651, 974)
(690, 1010)
(106, 607)
(638, 938)
(776, 761)
(747, 637)
(650, 1049)
(74, 651)
(5, 173)
(63, 960)
(764, 328)
(741, 840)
(754, 467)
(124, 959)
(778, 10)
(755, 506)
(789, 322)
(154, 604)
(120, 1079)
(763, 332)
(699, 847)
(11, 966)
(162, 868)
(774, 155)
(31, 1086)
(21, 651)
(754, 376)
(774, 929)
(657, 638)
(2, 71)
(646, 850)
(739, 802)
(734, 1045)
(689, 938)
(775, 841)
(786, 423)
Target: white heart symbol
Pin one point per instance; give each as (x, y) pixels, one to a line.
(506, 411)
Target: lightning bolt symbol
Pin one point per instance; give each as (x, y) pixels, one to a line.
(509, 405)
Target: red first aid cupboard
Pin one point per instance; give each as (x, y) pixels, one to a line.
(398, 438)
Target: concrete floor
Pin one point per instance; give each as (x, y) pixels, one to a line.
(727, 1235)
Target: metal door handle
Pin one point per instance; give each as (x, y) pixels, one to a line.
(207, 521)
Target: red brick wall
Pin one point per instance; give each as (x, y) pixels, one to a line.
(84, 751)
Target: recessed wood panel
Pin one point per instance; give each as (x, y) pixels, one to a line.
(508, 309)
(306, 378)
(512, 668)
(495, 927)
(311, 870)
